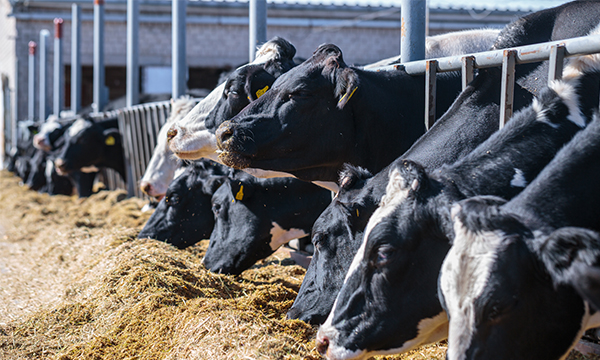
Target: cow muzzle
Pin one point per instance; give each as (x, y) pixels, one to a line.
(235, 148)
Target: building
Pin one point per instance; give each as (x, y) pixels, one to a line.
(216, 38)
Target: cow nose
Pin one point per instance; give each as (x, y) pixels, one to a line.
(145, 187)
(224, 133)
(322, 345)
(59, 163)
(171, 134)
(293, 313)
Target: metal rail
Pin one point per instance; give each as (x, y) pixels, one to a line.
(554, 51)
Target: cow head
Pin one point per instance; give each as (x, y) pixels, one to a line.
(86, 144)
(320, 89)
(254, 217)
(388, 302)
(183, 216)
(162, 165)
(193, 136)
(336, 236)
(502, 284)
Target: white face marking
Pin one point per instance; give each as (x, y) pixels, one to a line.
(519, 179)
(78, 126)
(335, 352)
(395, 194)
(49, 168)
(567, 93)
(280, 236)
(89, 169)
(464, 274)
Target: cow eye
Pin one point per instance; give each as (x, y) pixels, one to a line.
(216, 208)
(384, 255)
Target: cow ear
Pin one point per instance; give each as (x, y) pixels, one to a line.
(112, 137)
(241, 189)
(258, 83)
(212, 183)
(413, 175)
(572, 255)
(345, 87)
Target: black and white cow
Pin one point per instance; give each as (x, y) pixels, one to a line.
(392, 281)
(350, 115)
(184, 217)
(90, 145)
(193, 136)
(163, 164)
(254, 217)
(338, 232)
(514, 279)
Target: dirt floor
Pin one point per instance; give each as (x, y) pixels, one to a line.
(75, 283)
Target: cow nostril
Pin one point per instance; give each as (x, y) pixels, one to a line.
(146, 187)
(322, 345)
(224, 133)
(171, 134)
(59, 163)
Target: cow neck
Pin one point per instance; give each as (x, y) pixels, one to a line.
(565, 187)
(114, 159)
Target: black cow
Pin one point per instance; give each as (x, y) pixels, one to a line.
(522, 267)
(90, 145)
(350, 115)
(392, 279)
(184, 217)
(254, 217)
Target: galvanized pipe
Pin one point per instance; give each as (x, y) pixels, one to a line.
(179, 66)
(413, 18)
(584, 45)
(430, 93)
(31, 82)
(75, 58)
(507, 87)
(133, 68)
(557, 55)
(258, 26)
(43, 48)
(59, 89)
(99, 86)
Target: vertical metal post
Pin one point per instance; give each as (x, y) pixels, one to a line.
(179, 66)
(258, 26)
(75, 58)
(15, 108)
(507, 86)
(43, 112)
(59, 89)
(31, 82)
(468, 66)
(430, 90)
(98, 88)
(557, 55)
(133, 71)
(412, 42)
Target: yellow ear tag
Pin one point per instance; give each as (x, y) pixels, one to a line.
(262, 91)
(110, 140)
(352, 93)
(357, 213)
(240, 194)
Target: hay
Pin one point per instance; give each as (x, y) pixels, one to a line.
(77, 284)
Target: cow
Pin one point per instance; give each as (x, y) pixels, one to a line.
(449, 44)
(392, 279)
(183, 216)
(161, 168)
(521, 278)
(193, 136)
(90, 145)
(254, 217)
(337, 233)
